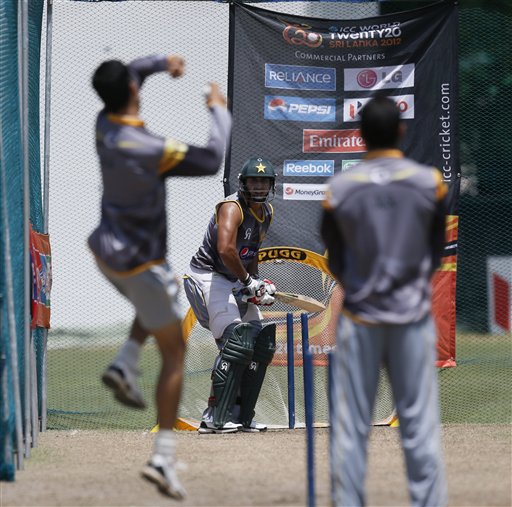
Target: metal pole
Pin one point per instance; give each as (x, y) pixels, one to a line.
(290, 353)
(308, 405)
(10, 309)
(46, 195)
(23, 36)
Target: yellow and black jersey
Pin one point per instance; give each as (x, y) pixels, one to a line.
(384, 229)
(250, 234)
(133, 228)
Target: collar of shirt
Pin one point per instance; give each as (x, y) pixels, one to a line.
(124, 119)
(392, 153)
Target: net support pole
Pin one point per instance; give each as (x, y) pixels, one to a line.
(290, 363)
(23, 43)
(11, 321)
(46, 196)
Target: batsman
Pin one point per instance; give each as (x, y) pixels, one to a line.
(225, 292)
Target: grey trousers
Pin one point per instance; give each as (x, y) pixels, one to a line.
(409, 352)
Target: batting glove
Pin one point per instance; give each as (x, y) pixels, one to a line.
(265, 300)
(270, 288)
(253, 288)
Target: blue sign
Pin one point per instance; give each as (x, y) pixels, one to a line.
(308, 168)
(293, 77)
(299, 109)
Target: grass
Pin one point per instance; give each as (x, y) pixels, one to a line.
(477, 390)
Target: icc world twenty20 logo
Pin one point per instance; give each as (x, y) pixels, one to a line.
(299, 35)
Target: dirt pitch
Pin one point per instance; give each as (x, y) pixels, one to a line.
(91, 468)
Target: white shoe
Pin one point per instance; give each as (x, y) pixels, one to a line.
(123, 383)
(162, 472)
(208, 427)
(254, 427)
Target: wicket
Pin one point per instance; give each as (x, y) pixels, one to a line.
(307, 364)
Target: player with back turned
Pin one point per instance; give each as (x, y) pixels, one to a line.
(130, 242)
(383, 226)
(225, 292)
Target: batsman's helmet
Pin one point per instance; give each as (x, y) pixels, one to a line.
(257, 167)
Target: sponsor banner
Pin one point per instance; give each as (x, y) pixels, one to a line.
(308, 168)
(347, 164)
(303, 192)
(278, 107)
(295, 77)
(410, 54)
(332, 141)
(379, 78)
(352, 107)
(41, 269)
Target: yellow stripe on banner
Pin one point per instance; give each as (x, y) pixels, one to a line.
(187, 324)
(186, 327)
(452, 222)
(450, 266)
(294, 254)
(180, 425)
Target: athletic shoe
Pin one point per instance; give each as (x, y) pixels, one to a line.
(161, 472)
(208, 427)
(254, 427)
(123, 383)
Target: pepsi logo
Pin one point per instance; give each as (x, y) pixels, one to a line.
(277, 103)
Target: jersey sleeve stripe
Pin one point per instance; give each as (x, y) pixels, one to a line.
(441, 187)
(174, 153)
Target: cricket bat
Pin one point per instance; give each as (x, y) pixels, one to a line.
(300, 301)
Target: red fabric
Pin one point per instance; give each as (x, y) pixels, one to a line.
(443, 309)
(40, 258)
(501, 302)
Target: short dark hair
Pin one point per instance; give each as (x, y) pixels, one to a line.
(380, 119)
(111, 81)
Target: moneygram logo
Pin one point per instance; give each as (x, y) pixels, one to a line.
(292, 77)
(299, 108)
(303, 192)
(308, 168)
(332, 141)
(300, 35)
(352, 107)
(378, 78)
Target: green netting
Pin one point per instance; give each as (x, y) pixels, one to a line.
(90, 320)
(12, 219)
(11, 224)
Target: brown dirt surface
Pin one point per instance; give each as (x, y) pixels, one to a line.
(93, 468)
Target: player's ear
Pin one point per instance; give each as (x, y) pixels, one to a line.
(402, 129)
(133, 87)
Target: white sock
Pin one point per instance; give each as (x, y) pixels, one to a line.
(129, 354)
(165, 444)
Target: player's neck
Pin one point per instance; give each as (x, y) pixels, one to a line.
(131, 109)
(257, 208)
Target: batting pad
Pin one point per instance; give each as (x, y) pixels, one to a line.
(292, 270)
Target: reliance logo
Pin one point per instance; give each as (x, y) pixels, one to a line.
(332, 141)
(292, 77)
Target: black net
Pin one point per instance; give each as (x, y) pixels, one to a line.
(90, 320)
